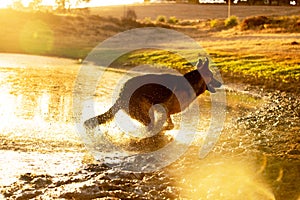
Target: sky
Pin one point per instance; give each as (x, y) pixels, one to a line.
(5, 3)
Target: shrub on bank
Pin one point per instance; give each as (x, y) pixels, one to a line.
(161, 19)
(256, 22)
(231, 21)
(173, 20)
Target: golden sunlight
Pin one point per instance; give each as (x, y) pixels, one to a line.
(26, 2)
(92, 3)
(48, 2)
(224, 178)
(5, 3)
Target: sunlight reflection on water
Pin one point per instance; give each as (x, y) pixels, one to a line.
(18, 163)
(36, 97)
(40, 116)
(36, 103)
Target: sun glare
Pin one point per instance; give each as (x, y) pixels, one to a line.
(113, 2)
(92, 3)
(5, 4)
(48, 2)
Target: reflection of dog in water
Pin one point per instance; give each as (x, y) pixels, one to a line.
(172, 92)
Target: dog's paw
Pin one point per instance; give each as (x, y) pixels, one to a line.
(91, 123)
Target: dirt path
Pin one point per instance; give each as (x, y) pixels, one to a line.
(196, 12)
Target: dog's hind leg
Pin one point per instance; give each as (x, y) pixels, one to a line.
(159, 117)
(151, 116)
(139, 109)
(103, 118)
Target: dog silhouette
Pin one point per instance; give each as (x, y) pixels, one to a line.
(173, 92)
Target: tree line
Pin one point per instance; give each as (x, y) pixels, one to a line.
(60, 5)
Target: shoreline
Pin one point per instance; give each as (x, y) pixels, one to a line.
(263, 55)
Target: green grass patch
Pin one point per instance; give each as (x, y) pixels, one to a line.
(156, 58)
(75, 36)
(269, 68)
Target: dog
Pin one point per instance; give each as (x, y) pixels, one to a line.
(174, 93)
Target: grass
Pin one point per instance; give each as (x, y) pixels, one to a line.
(267, 69)
(271, 60)
(256, 65)
(69, 36)
(156, 58)
(272, 71)
(239, 52)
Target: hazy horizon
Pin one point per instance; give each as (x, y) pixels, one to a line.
(92, 3)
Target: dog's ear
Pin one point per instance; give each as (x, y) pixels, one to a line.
(203, 65)
(199, 63)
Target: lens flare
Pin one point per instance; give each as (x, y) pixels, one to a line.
(36, 37)
(222, 178)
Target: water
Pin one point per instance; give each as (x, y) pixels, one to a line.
(35, 114)
(36, 103)
(38, 135)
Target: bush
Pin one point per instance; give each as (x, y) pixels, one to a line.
(130, 15)
(161, 19)
(256, 22)
(213, 23)
(147, 20)
(231, 21)
(173, 20)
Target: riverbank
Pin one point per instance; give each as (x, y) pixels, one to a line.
(261, 51)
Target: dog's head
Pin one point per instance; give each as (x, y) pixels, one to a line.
(207, 75)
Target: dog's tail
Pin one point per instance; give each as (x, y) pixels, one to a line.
(103, 118)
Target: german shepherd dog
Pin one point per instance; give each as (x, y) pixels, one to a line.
(175, 93)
